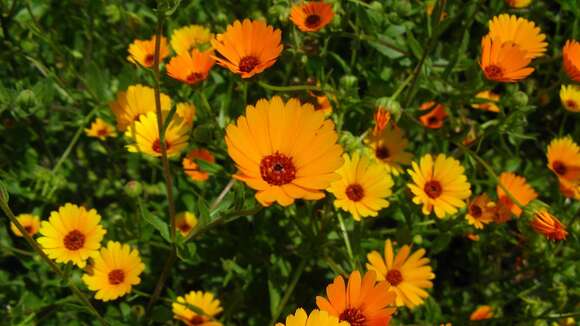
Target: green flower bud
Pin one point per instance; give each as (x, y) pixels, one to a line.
(26, 99)
(349, 81)
(520, 98)
(133, 188)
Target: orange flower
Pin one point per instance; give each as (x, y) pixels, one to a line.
(519, 189)
(481, 313)
(569, 189)
(548, 225)
(312, 16)
(362, 302)
(571, 58)
(143, 51)
(433, 119)
(504, 62)
(191, 68)
(192, 169)
(480, 211)
(510, 29)
(382, 119)
(490, 105)
(248, 48)
(564, 159)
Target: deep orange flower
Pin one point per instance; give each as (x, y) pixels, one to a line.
(481, 313)
(433, 119)
(191, 67)
(571, 58)
(549, 226)
(504, 62)
(519, 189)
(382, 119)
(311, 16)
(143, 51)
(192, 169)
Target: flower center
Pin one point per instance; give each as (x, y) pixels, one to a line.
(353, 316)
(197, 320)
(116, 276)
(194, 77)
(493, 72)
(102, 132)
(312, 21)
(432, 121)
(433, 189)
(559, 167)
(571, 104)
(355, 192)
(74, 240)
(184, 227)
(28, 229)
(149, 60)
(277, 169)
(382, 152)
(475, 211)
(248, 63)
(157, 146)
(394, 277)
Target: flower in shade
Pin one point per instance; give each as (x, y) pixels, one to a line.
(311, 16)
(510, 29)
(388, 147)
(115, 271)
(433, 119)
(382, 118)
(364, 302)
(185, 222)
(363, 186)
(549, 226)
(189, 37)
(481, 313)
(100, 129)
(439, 184)
(72, 234)
(316, 318)
(192, 169)
(490, 103)
(191, 68)
(518, 3)
(137, 100)
(248, 48)
(571, 58)
(564, 159)
(186, 111)
(570, 97)
(144, 135)
(504, 62)
(142, 52)
(204, 302)
(518, 188)
(480, 211)
(569, 189)
(29, 222)
(285, 151)
(320, 102)
(408, 274)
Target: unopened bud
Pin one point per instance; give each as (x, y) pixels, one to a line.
(133, 188)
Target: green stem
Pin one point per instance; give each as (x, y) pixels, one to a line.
(289, 291)
(289, 88)
(401, 87)
(346, 240)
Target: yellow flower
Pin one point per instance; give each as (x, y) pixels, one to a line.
(570, 97)
(29, 222)
(549, 226)
(503, 62)
(564, 159)
(481, 313)
(142, 52)
(311, 16)
(316, 318)
(145, 136)
(490, 105)
(480, 211)
(114, 272)
(571, 59)
(137, 100)
(439, 185)
(388, 147)
(185, 222)
(362, 188)
(408, 274)
(510, 29)
(72, 234)
(285, 151)
(203, 301)
(518, 188)
(186, 38)
(186, 111)
(518, 3)
(100, 129)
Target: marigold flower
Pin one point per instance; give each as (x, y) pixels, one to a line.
(29, 222)
(248, 48)
(145, 136)
(185, 222)
(100, 129)
(570, 97)
(571, 59)
(504, 62)
(549, 226)
(285, 151)
(569, 189)
(115, 270)
(382, 118)
(564, 159)
(142, 52)
(311, 16)
(408, 274)
(362, 188)
(481, 313)
(316, 318)
(518, 3)
(388, 147)
(137, 100)
(321, 103)
(519, 189)
(191, 68)
(72, 234)
(439, 185)
(361, 302)
(192, 169)
(480, 211)
(490, 105)
(186, 111)
(510, 29)
(186, 38)
(433, 119)
(204, 301)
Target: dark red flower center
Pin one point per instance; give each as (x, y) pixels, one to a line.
(432, 120)
(353, 316)
(433, 189)
(248, 63)
(28, 229)
(157, 146)
(493, 72)
(559, 167)
(116, 276)
(382, 152)
(197, 320)
(194, 77)
(571, 104)
(184, 227)
(102, 132)
(277, 169)
(475, 210)
(149, 60)
(394, 277)
(74, 240)
(355, 192)
(312, 21)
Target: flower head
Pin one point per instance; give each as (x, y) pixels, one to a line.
(316, 318)
(504, 62)
(481, 313)
(480, 211)
(248, 48)
(433, 119)
(439, 185)
(72, 234)
(29, 222)
(510, 29)
(564, 159)
(408, 274)
(191, 68)
(489, 105)
(145, 136)
(186, 38)
(363, 302)
(570, 97)
(115, 270)
(382, 118)
(100, 129)
(549, 226)
(185, 222)
(518, 3)
(569, 189)
(388, 147)
(285, 151)
(519, 189)
(192, 169)
(142, 52)
(571, 59)
(204, 301)
(137, 100)
(311, 16)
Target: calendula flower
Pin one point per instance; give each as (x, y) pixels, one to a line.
(316, 318)
(518, 3)
(363, 302)
(100, 129)
(204, 301)
(388, 147)
(439, 185)
(321, 103)
(504, 62)
(311, 16)
(564, 159)
(408, 274)
(571, 59)
(489, 105)
(191, 68)
(186, 38)
(137, 100)
(29, 222)
(433, 119)
(115, 271)
(248, 48)
(142, 52)
(518, 188)
(480, 211)
(549, 226)
(481, 313)
(510, 29)
(186, 111)
(185, 222)
(285, 151)
(570, 97)
(72, 234)
(145, 136)
(192, 169)
(362, 188)
(569, 189)
(382, 118)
